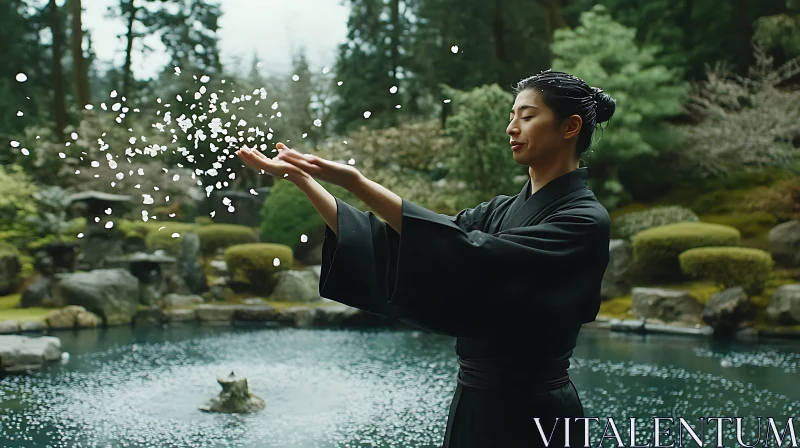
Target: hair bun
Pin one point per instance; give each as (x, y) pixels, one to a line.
(605, 105)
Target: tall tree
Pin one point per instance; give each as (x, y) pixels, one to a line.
(59, 93)
(372, 64)
(79, 64)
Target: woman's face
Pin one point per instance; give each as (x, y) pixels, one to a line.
(535, 136)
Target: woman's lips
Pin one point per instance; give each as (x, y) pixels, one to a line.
(517, 147)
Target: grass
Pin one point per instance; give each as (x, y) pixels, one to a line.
(9, 312)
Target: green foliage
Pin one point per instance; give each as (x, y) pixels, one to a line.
(411, 160)
(484, 161)
(750, 225)
(203, 221)
(287, 214)
(657, 249)
(7, 249)
(605, 54)
(221, 236)
(164, 236)
(629, 224)
(17, 203)
(51, 217)
(729, 266)
(781, 200)
(252, 265)
(780, 31)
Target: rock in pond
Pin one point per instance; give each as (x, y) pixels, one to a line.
(234, 398)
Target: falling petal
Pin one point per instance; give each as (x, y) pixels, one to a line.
(454, 49)
(14, 144)
(21, 77)
(367, 114)
(205, 78)
(393, 89)
(295, 78)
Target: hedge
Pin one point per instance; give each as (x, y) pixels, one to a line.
(628, 225)
(729, 266)
(220, 236)
(657, 249)
(252, 265)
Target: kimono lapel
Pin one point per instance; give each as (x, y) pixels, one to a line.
(522, 211)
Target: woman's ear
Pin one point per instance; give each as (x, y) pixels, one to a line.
(573, 127)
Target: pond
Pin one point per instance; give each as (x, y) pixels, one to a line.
(142, 387)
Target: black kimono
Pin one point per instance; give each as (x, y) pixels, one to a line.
(512, 279)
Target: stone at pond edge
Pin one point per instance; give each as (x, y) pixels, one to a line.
(9, 327)
(784, 240)
(113, 294)
(726, 310)
(234, 398)
(73, 316)
(36, 292)
(19, 354)
(784, 305)
(296, 286)
(616, 280)
(666, 305)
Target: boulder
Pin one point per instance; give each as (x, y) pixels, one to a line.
(151, 315)
(9, 327)
(298, 316)
(784, 305)
(180, 301)
(37, 292)
(112, 294)
(616, 280)
(179, 315)
(666, 305)
(296, 286)
(33, 326)
(192, 271)
(10, 268)
(22, 353)
(728, 310)
(234, 398)
(784, 241)
(220, 268)
(73, 316)
(215, 313)
(256, 313)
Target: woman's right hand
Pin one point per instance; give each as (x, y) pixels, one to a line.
(274, 167)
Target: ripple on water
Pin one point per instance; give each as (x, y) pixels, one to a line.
(339, 389)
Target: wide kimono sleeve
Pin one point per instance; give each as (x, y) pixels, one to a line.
(479, 283)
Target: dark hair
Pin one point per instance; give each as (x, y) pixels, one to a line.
(569, 95)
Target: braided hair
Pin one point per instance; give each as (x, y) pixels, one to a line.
(569, 95)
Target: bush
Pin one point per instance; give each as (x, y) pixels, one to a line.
(287, 214)
(781, 200)
(221, 236)
(203, 221)
(729, 266)
(17, 203)
(164, 236)
(629, 224)
(657, 249)
(749, 224)
(253, 265)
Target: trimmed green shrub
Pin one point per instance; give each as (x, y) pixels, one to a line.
(749, 224)
(203, 221)
(251, 265)
(165, 236)
(729, 266)
(221, 236)
(656, 250)
(629, 224)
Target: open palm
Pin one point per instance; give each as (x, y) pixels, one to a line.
(274, 167)
(336, 173)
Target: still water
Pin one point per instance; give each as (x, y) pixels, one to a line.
(344, 388)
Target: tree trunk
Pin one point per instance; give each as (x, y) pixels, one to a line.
(59, 100)
(80, 67)
(498, 32)
(131, 10)
(744, 28)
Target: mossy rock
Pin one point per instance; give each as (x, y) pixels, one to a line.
(220, 236)
(166, 236)
(252, 266)
(729, 266)
(656, 250)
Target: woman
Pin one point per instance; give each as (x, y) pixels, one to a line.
(513, 279)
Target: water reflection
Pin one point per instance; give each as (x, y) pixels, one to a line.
(327, 388)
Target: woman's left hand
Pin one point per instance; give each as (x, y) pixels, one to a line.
(336, 173)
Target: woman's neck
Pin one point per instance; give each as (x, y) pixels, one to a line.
(542, 175)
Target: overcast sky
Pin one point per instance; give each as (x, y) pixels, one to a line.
(272, 29)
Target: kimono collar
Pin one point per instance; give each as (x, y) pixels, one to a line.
(522, 208)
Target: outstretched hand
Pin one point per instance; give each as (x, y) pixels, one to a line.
(336, 173)
(274, 167)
